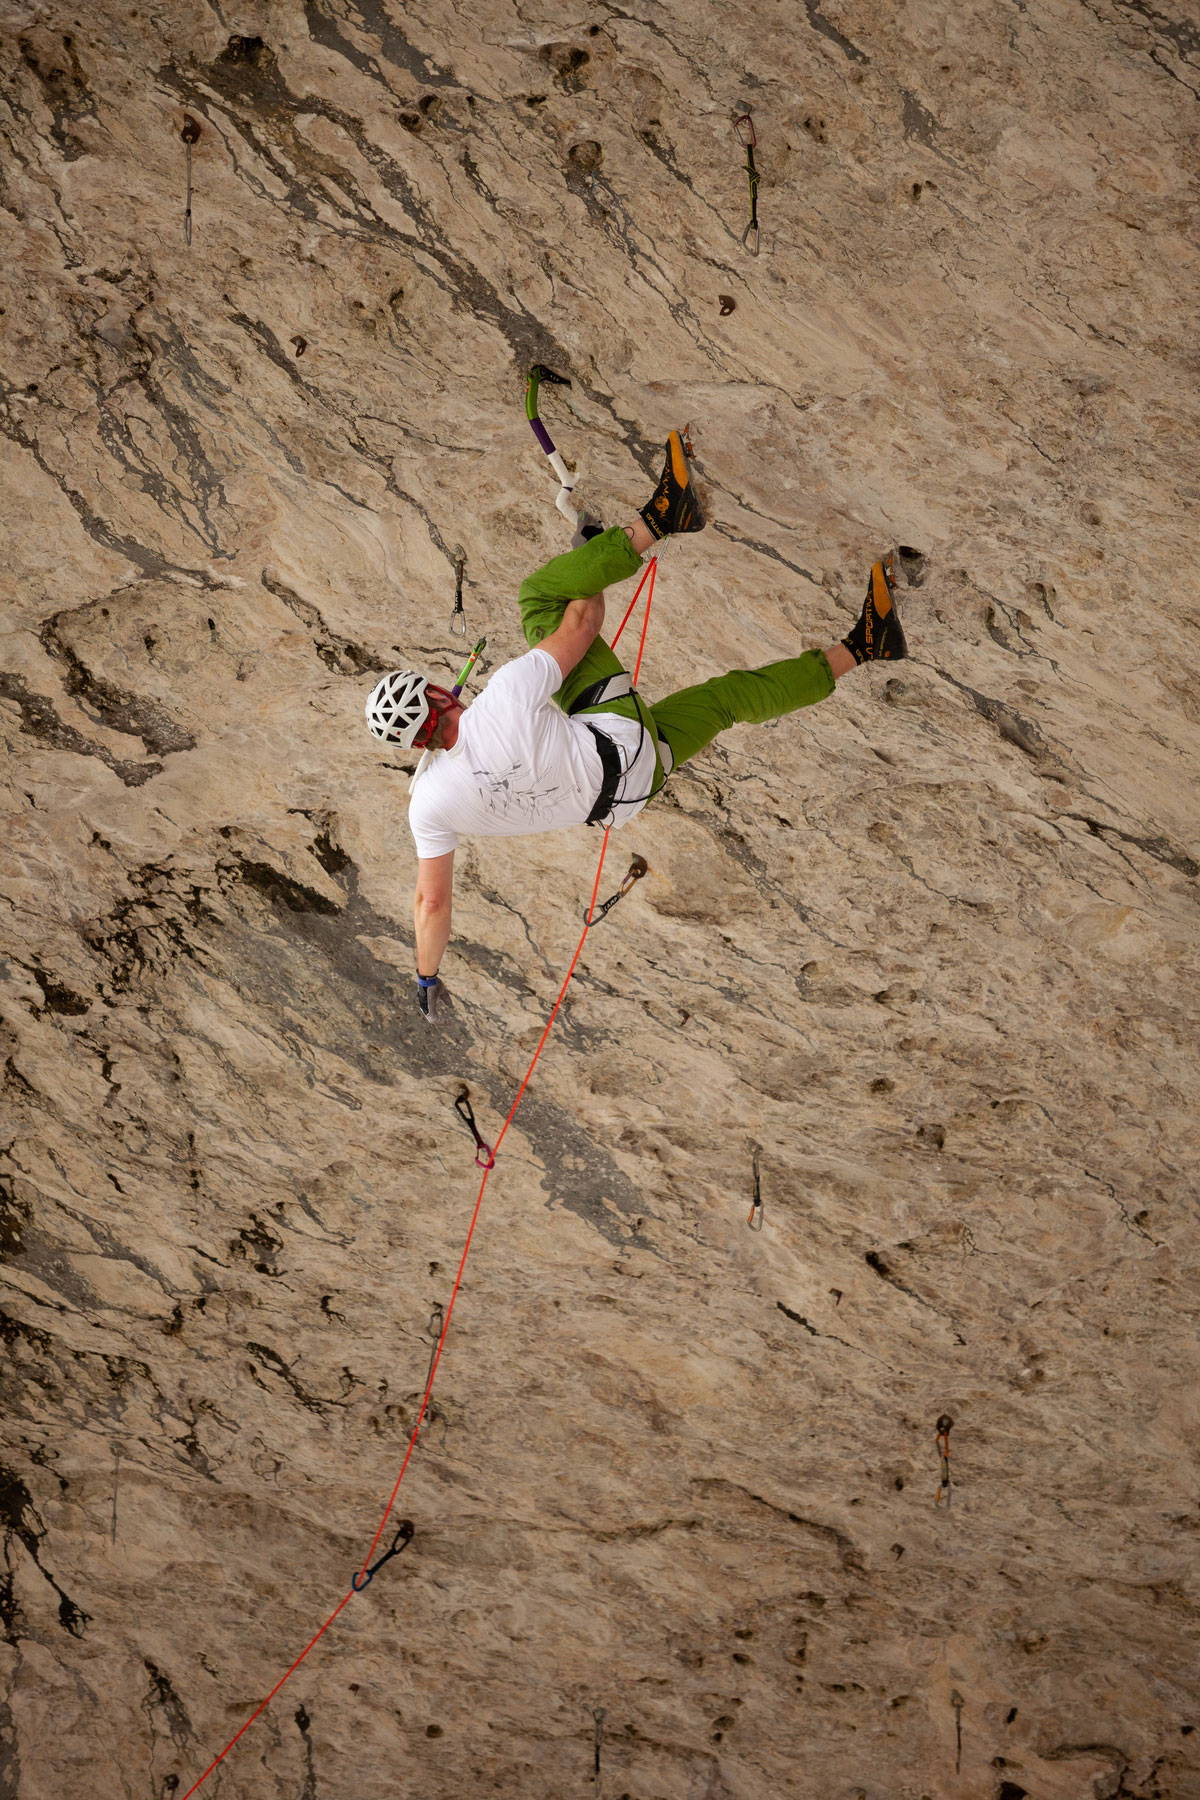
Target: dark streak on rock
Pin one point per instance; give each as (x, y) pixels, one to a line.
(266, 340)
(116, 431)
(163, 1696)
(821, 24)
(281, 890)
(10, 1760)
(373, 18)
(304, 1723)
(15, 1215)
(1160, 848)
(1013, 728)
(272, 1360)
(111, 706)
(112, 1250)
(1182, 37)
(918, 122)
(848, 1553)
(21, 1522)
(57, 997)
(766, 550)
(150, 562)
(338, 653)
(876, 1263)
(64, 90)
(39, 720)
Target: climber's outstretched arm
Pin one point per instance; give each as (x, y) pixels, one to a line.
(431, 915)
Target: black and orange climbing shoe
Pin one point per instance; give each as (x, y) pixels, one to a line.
(877, 635)
(673, 505)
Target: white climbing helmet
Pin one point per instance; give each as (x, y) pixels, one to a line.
(397, 707)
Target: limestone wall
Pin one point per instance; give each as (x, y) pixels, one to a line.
(930, 946)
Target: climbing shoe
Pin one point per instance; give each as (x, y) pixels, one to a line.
(673, 505)
(877, 635)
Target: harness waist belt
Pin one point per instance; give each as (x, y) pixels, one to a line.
(610, 762)
(608, 688)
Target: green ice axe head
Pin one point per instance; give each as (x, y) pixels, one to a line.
(540, 372)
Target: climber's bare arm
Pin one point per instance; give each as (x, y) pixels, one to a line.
(581, 625)
(431, 910)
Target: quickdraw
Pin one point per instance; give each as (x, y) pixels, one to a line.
(405, 1533)
(637, 868)
(942, 1429)
(458, 618)
(754, 1218)
(434, 1330)
(191, 136)
(563, 501)
(485, 1156)
(743, 127)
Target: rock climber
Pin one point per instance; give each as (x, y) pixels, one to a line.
(559, 736)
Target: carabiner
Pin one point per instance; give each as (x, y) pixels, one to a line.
(403, 1538)
(485, 1156)
(458, 618)
(754, 1218)
(637, 868)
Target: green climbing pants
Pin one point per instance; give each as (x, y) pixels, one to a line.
(690, 719)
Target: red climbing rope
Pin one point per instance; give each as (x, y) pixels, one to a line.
(648, 576)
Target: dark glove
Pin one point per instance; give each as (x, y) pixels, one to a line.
(432, 997)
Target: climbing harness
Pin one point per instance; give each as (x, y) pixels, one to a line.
(743, 127)
(637, 868)
(622, 686)
(458, 618)
(942, 1429)
(405, 1533)
(755, 1217)
(599, 1715)
(485, 1156)
(190, 135)
(609, 687)
(617, 687)
(538, 374)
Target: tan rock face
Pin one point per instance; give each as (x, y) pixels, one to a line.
(930, 946)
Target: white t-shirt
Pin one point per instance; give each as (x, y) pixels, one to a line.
(521, 765)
